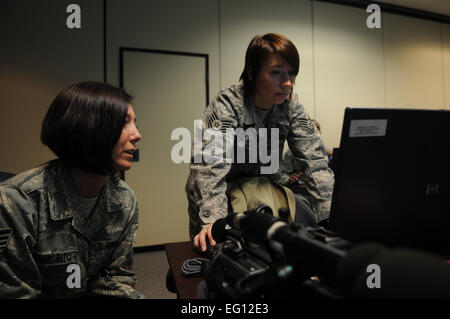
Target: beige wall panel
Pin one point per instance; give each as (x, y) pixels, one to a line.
(413, 62)
(240, 21)
(39, 56)
(190, 26)
(348, 65)
(161, 106)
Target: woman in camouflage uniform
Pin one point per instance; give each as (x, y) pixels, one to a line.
(263, 99)
(68, 227)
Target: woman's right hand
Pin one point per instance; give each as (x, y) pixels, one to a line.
(294, 177)
(200, 238)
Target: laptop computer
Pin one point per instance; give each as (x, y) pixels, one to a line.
(392, 178)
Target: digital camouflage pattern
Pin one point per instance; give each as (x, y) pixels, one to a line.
(44, 233)
(207, 183)
(287, 168)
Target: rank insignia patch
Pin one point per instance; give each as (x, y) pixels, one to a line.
(216, 124)
(5, 233)
(307, 126)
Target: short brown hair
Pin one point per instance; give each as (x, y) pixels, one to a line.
(259, 49)
(83, 124)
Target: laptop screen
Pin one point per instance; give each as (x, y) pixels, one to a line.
(392, 176)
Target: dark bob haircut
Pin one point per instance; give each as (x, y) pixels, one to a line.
(259, 50)
(83, 124)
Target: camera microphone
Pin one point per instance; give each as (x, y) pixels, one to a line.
(223, 226)
(218, 230)
(258, 222)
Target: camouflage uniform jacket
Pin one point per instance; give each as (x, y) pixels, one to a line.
(207, 182)
(286, 168)
(46, 244)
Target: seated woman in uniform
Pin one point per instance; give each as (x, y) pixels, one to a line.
(69, 226)
(263, 100)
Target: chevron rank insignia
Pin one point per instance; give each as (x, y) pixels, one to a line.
(307, 126)
(216, 124)
(5, 233)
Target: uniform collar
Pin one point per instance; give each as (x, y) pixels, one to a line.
(63, 199)
(247, 109)
(277, 111)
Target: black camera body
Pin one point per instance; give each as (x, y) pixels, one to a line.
(259, 255)
(236, 271)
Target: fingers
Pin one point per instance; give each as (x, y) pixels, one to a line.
(295, 177)
(200, 238)
(212, 242)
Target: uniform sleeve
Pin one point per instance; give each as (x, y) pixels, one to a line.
(286, 168)
(311, 159)
(206, 187)
(19, 274)
(117, 280)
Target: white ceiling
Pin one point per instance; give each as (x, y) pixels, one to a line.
(435, 6)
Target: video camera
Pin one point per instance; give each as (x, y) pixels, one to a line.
(258, 255)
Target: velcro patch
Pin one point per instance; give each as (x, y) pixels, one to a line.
(5, 233)
(216, 124)
(307, 126)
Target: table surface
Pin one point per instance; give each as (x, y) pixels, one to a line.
(177, 253)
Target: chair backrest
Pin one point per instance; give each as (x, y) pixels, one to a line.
(5, 175)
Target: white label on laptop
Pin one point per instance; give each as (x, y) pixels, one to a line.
(365, 128)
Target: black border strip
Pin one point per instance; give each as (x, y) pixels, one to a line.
(390, 8)
(201, 55)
